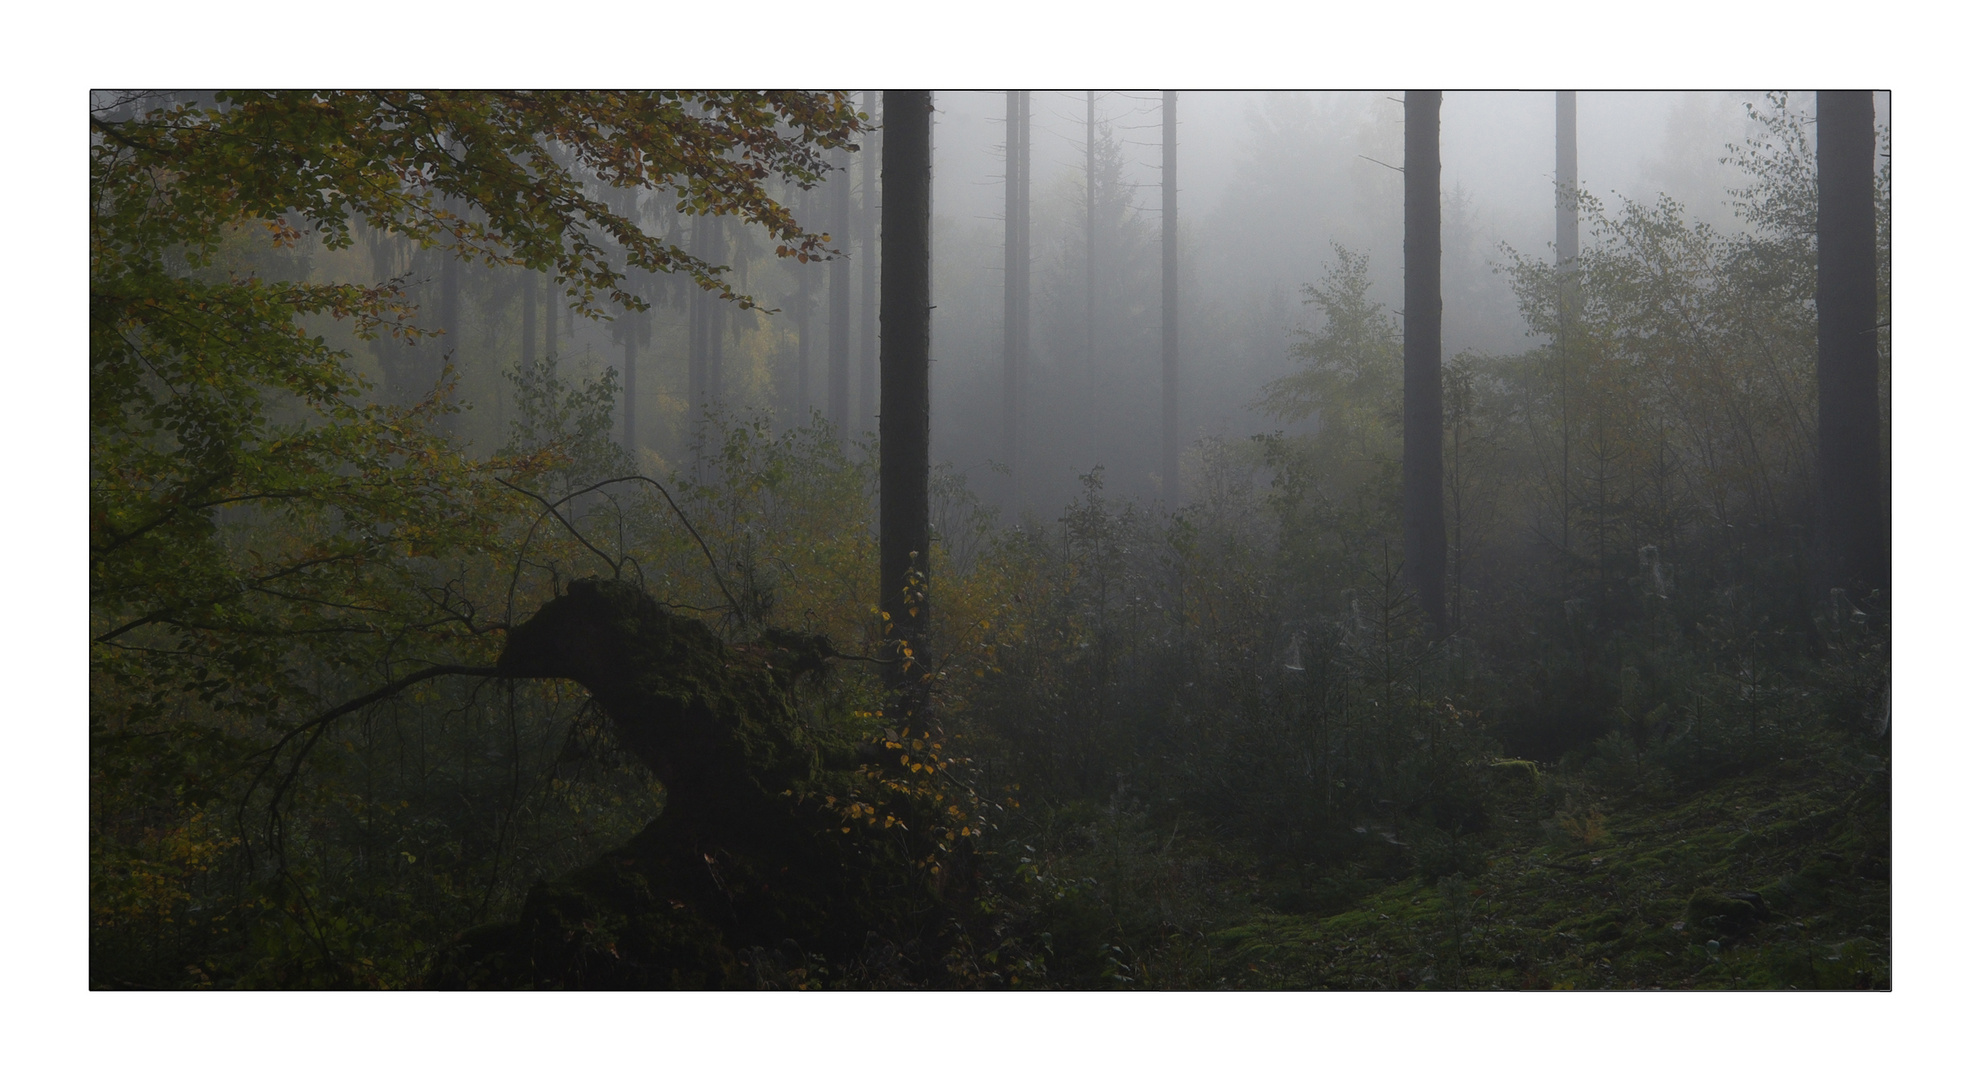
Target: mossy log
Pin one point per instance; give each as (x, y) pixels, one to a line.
(740, 866)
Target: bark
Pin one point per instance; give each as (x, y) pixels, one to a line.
(1567, 195)
(450, 325)
(1423, 319)
(904, 327)
(718, 315)
(749, 872)
(1092, 378)
(739, 862)
(802, 415)
(869, 265)
(528, 351)
(839, 364)
(697, 313)
(1854, 485)
(550, 295)
(1171, 339)
(632, 385)
(1567, 253)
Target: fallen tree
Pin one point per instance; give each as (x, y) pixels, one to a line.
(778, 858)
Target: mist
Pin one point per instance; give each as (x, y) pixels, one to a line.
(880, 540)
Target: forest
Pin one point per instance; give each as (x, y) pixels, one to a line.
(902, 540)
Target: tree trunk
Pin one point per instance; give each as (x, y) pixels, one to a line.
(1171, 339)
(904, 322)
(632, 384)
(450, 325)
(752, 866)
(801, 416)
(1423, 321)
(1092, 377)
(869, 265)
(1567, 253)
(1017, 281)
(1567, 198)
(742, 858)
(719, 313)
(839, 366)
(1854, 486)
(697, 313)
(551, 292)
(527, 354)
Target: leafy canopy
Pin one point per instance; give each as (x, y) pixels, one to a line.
(254, 513)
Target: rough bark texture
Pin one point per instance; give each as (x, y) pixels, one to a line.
(1423, 333)
(1855, 487)
(745, 875)
(904, 313)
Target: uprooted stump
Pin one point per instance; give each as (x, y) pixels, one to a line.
(741, 880)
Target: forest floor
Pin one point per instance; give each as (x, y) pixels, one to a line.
(1779, 878)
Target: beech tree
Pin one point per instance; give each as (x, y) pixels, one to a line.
(266, 416)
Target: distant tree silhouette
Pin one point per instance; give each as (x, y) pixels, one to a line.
(1423, 331)
(1855, 488)
(904, 317)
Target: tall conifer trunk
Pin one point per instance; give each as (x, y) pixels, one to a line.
(1423, 323)
(869, 260)
(1854, 486)
(528, 350)
(1017, 280)
(1092, 376)
(550, 292)
(904, 318)
(719, 313)
(839, 365)
(632, 383)
(1171, 325)
(1567, 253)
(450, 319)
(1567, 198)
(697, 313)
(801, 416)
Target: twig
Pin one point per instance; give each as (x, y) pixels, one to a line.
(317, 726)
(551, 509)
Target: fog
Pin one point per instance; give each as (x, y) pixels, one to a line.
(1267, 181)
(498, 578)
